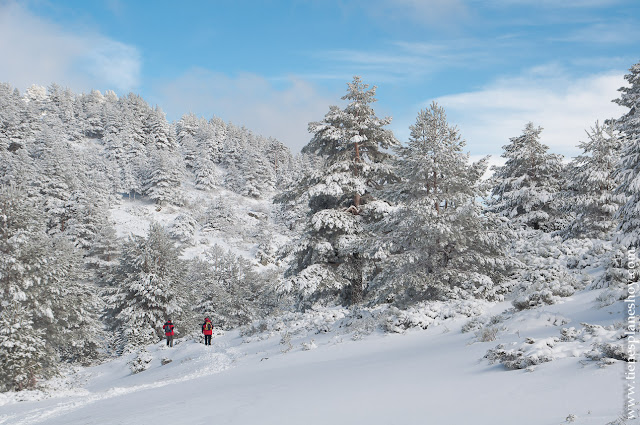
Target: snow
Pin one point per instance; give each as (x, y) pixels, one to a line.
(319, 372)
(134, 216)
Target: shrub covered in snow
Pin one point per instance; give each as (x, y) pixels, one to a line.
(431, 313)
(314, 320)
(615, 277)
(487, 333)
(544, 286)
(141, 362)
(183, 228)
(606, 342)
(530, 353)
(546, 278)
(594, 342)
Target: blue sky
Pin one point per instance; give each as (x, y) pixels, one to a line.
(274, 66)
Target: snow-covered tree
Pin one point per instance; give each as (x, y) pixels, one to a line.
(104, 249)
(10, 116)
(592, 183)
(206, 173)
(22, 349)
(160, 135)
(93, 121)
(43, 276)
(525, 187)
(436, 242)
(232, 292)
(629, 170)
(144, 286)
(163, 178)
(327, 262)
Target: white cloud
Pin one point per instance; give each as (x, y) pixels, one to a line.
(400, 61)
(615, 32)
(547, 96)
(281, 109)
(37, 51)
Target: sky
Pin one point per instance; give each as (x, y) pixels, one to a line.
(274, 66)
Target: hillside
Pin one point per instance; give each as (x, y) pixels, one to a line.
(434, 376)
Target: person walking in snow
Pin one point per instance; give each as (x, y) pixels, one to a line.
(207, 330)
(168, 331)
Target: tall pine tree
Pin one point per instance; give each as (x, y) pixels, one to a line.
(143, 288)
(629, 171)
(592, 183)
(436, 242)
(328, 262)
(526, 186)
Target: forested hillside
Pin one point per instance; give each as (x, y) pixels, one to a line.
(113, 220)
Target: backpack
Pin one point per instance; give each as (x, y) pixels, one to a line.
(208, 326)
(168, 328)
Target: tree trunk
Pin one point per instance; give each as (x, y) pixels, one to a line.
(356, 197)
(435, 185)
(356, 285)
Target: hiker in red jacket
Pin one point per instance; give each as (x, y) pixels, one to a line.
(207, 330)
(168, 331)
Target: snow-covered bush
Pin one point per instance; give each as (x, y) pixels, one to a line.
(472, 325)
(285, 341)
(615, 277)
(183, 228)
(545, 286)
(320, 320)
(530, 353)
(480, 322)
(430, 313)
(307, 346)
(487, 334)
(141, 362)
(606, 342)
(594, 342)
(362, 322)
(546, 278)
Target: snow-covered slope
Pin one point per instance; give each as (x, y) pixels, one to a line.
(433, 376)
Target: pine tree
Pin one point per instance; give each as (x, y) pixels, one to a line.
(592, 183)
(10, 107)
(160, 135)
(22, 349)
(526, 186)
(328, 263)
(232, 293)
(206, 174)
(437, 241)
(93, 106)
(43, 276)
(144, 287)
(629, 170)
(163, 178)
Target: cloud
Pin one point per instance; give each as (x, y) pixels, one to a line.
(278, 108)
(399, 61)
(37, 51)
(547, 96)
(617, 33)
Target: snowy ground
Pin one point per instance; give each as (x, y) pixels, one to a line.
(433, 376)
